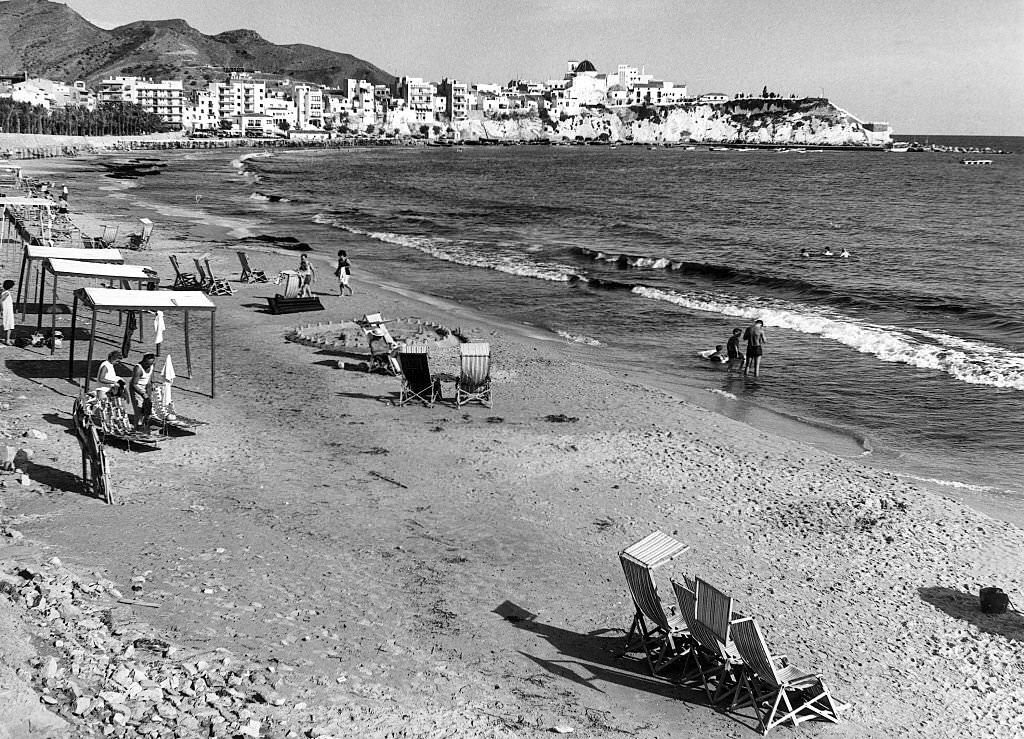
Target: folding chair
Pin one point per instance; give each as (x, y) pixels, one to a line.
(183, 280)
(714, 617)
(216, 285)
(417, 384)
(474, 381)
(248, 273)
(779, 691)
(140, 239)
(665, 639)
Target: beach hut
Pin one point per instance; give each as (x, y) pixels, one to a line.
(17, 211)
(116, 273)
(34, 253)
(107, 299)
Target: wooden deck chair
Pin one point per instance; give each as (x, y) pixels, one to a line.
(248, 273)
(216, 285)
(140, 239)
(714, 614)
(204, 279)
(474, 381)
(779, 691)
(417, 384)
(662, 636)
(382, 357)
(182, 280)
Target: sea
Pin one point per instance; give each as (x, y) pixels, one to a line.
(907, 355)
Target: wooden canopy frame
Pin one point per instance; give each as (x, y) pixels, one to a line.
(34, 253)
(102, 298)
(74, 268)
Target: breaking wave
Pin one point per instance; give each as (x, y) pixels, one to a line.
(966, 360)
(579, 339)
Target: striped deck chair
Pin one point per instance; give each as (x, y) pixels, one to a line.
(248, 273)
(706, 653)
(714, 614)
(474, 381)
(417, 384)
(779, 691)
(217, 285)
(662, 636)
(182, 280)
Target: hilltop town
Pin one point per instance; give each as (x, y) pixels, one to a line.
(583, 105)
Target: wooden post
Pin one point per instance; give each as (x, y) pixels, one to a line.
(21, 282)
(53, 317)
(213, 353)
(188, 350)
(92, 341)
(41, 280)
(74, 321)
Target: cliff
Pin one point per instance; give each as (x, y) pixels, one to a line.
(807, 121)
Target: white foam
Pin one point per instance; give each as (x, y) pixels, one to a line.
(949, 483)
(723, 393)
(966, 360)
(451, 251)
(579, 339)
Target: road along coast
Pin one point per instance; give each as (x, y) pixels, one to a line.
(367, 569)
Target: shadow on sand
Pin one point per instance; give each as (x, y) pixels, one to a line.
(967, 607)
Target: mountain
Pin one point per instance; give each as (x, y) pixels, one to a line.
(51, 40)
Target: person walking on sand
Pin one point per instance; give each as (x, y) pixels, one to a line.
(755, 347)
(732, 347)
(7, 309)
(343, 273)
(307, 276)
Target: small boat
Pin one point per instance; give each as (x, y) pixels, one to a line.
(899, 147)
(976, 162)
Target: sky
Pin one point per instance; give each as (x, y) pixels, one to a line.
(925, 66)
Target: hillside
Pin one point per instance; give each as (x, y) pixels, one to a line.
(168, 49)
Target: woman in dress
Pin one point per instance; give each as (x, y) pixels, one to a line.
(7, 309)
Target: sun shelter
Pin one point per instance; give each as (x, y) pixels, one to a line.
(34, 253)
(37, 206)
(123, 273)
(107, 299)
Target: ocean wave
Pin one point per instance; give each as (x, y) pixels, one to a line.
(579, 339)
(948, 483)
(464, 254)
(963, 359)
(264, 198)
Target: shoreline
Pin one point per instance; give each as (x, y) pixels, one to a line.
(226, 235)
(453, 571)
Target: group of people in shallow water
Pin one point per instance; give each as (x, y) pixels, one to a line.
(844, 254)
(730, 354)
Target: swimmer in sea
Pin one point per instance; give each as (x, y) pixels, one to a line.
(844, 254)
(827, 252)
(804, 253)
(719, 356)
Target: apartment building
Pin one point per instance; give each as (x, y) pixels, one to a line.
(418, 96)
(309, 106)
(455, 97)
(165, 99)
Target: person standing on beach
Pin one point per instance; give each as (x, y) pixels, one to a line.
(732, 347)
(307, 275)
(343, 273)
(755, 347)
(7, 309)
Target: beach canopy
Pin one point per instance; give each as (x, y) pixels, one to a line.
(35, 253)
(23, 201)
(107, 299)
(78, 268)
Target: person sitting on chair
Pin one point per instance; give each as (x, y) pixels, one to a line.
(140, 389)
(106, 376)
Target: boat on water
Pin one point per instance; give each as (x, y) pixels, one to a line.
(976, 162)
(899, 147)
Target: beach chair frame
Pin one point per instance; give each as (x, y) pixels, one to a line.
(714, 618)
(663, 637)
(779, 691)
(474, 382)
(417, 382)
(250, 275)
(216, 285)
(139, 240)
(183, 280)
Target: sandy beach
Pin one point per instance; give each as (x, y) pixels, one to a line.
(385, 571)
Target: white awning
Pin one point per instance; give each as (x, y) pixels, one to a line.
(104, 298)
(23, 202)
(81, 255)
(78, 268)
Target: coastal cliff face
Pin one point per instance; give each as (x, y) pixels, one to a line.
(808, 121)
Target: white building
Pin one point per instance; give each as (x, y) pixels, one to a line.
(165, 99)
(418, 96)
(309, 106)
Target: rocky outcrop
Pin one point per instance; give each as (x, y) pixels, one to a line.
(807, 121)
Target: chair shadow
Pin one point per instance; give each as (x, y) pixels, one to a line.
(60, 419)
(48, 368)
(392, 397)
(966, 607)
(593, 658)
(57, 479)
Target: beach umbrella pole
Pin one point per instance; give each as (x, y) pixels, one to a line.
(71, 357)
